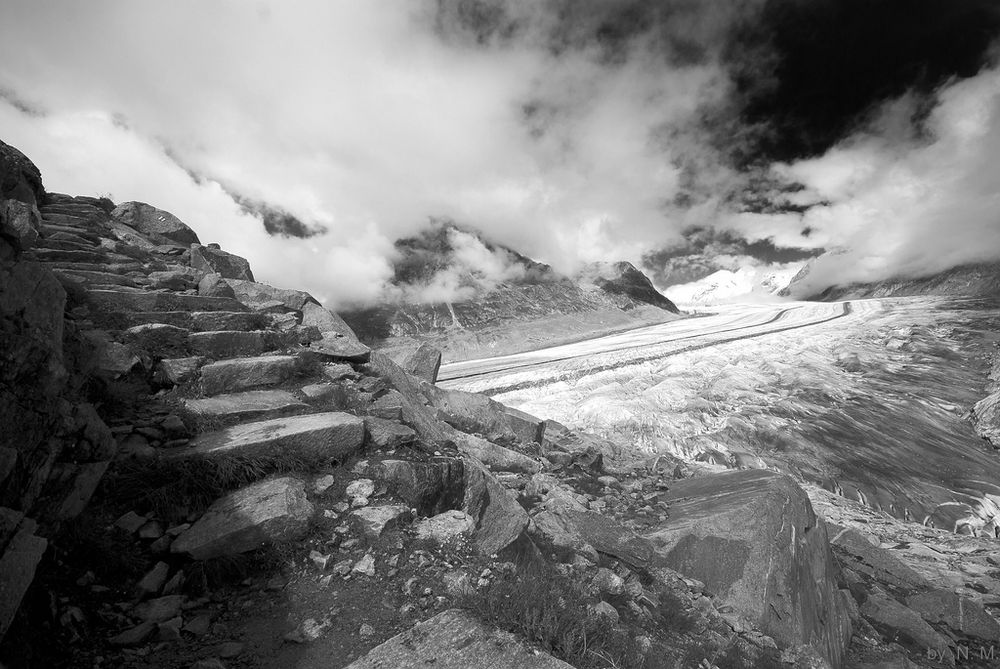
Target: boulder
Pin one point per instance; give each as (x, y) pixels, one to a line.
(424, 363)
(587, 450)
(262, 297)
(572, 531)
(212, 285)
(470, 412)
(270, 511)
(19, 178)
(19, 223)
(216, 261)
(326, 321)
(387, 434)
(375, 519)
(414, 413)
(527, 428)
(445, 527)
(497, 458)
(753, 539)
(154, 222)
(455, 639)
(500, 520)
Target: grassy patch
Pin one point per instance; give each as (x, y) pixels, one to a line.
(170, 489)
(550, 611)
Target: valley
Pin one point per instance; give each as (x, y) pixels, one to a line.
(867, 398)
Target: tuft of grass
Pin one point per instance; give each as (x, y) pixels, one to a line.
(173, 488)
(550, 610)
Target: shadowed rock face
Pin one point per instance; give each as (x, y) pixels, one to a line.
(753, 539)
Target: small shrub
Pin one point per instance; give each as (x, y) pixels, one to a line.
(550, 610)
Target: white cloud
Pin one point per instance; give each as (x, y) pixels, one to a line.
(354, 115)
(902, 203)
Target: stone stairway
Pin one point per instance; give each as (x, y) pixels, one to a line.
(267, 374)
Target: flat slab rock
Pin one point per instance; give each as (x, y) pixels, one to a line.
(246, 404)
(244, 373)
(753, 539)
(250, 518)
(332, 434)
(455, 639)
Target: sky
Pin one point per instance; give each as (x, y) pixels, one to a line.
(863, 133)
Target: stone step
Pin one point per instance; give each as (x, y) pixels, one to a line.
(205, 321)
(220, 344)
(72, 221)
(92, 278)
(114, 300)
(52, 199)
(71, 210)
(122, 268)
(333, 435)
(202, 321)
(227, 376)
(95, 257)
(63, 244)
(252, 404)
(116, 287)
(88, 240)
(49, 229)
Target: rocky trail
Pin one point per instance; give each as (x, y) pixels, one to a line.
(201, 470)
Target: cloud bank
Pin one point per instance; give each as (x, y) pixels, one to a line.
(573, 131)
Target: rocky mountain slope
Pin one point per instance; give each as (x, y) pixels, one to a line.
(468, 296)
(249, 485)
(980, 280)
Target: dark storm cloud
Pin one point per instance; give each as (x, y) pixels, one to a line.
(833, 62)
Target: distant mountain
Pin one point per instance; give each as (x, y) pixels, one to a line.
(448, 280)
(977, 280)
(746, 283)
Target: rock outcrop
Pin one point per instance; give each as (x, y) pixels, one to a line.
(54, 447)
(271, 511)
(753, 539)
